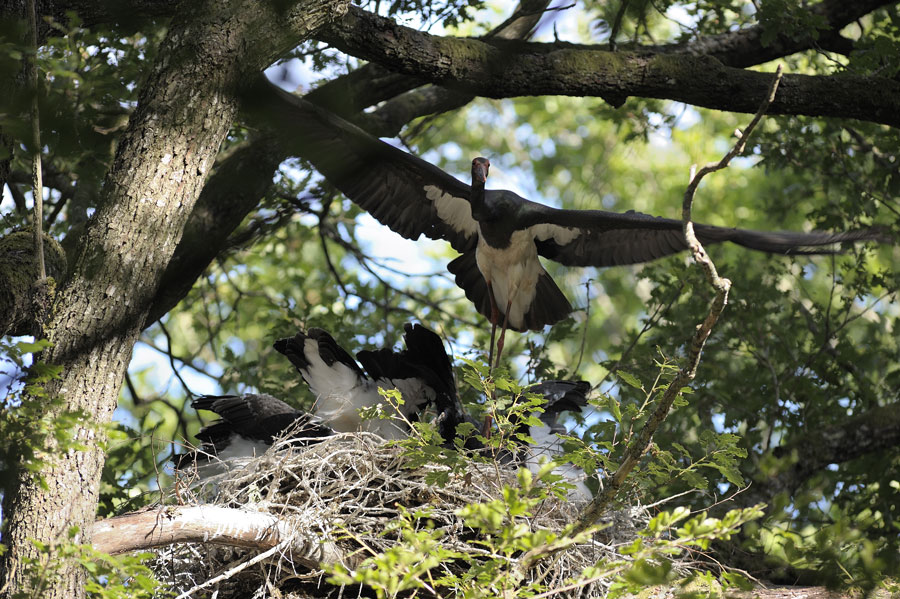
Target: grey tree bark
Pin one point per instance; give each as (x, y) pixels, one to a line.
(186, 107)
(504, 69)
(371, 36)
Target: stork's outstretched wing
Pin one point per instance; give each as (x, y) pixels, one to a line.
(599, 238)
(400, 190)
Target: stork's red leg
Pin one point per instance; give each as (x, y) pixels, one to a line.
(503, 333)
(486, 425)
(495, 316)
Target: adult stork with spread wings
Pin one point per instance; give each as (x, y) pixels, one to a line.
(500, 234)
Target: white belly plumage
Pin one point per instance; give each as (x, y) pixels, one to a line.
(341, 392)
(548, 446)
(513, 273)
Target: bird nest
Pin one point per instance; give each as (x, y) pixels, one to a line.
(348, 492)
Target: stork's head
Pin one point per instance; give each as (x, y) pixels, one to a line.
(480, 168)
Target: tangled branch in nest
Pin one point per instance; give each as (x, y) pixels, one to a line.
(345, 493)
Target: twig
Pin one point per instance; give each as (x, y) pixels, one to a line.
(10, 578)
(587, 319)
(36, 175)
(18, 198)
(331, 268)
(617, 24)
(366, 263)
(168, 352)
(639, 445)
(229, 573)
(660, 311)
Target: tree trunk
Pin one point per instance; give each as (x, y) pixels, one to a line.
(186, 107)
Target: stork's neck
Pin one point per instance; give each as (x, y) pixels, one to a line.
(476, 199)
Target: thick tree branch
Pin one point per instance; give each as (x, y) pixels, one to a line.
(187, 104)
(233, 190)
(63, 183)
(714, 87)
(740, 48)
(217, 525)
(390, 118)
(499, 69)
(744, 48)
(371, 84)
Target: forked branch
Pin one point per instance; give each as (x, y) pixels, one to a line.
(721, 285)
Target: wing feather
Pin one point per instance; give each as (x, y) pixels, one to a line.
(388, 183)
(612, 239)
(469, 278)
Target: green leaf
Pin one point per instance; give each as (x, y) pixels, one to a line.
(629, 379)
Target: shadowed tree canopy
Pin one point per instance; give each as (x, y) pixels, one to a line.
(208, 165)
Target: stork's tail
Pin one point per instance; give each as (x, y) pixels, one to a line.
(295, 348)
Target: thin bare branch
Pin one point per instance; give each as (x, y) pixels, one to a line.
(639, 444)
(617, 25)
(36, 175)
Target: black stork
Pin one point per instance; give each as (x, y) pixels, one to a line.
(500, 234)
(247, 427)
(559, 396)
(342, 388)
(422, 372)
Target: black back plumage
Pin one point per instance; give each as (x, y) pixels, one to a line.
(257, 418)
(432, 358)
(560, 396)
(420, 372)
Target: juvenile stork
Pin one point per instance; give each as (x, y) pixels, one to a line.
(342, 388)
(247, 427)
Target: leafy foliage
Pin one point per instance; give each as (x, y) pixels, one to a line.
(804, 344)
(33, 428)
(107, 577)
